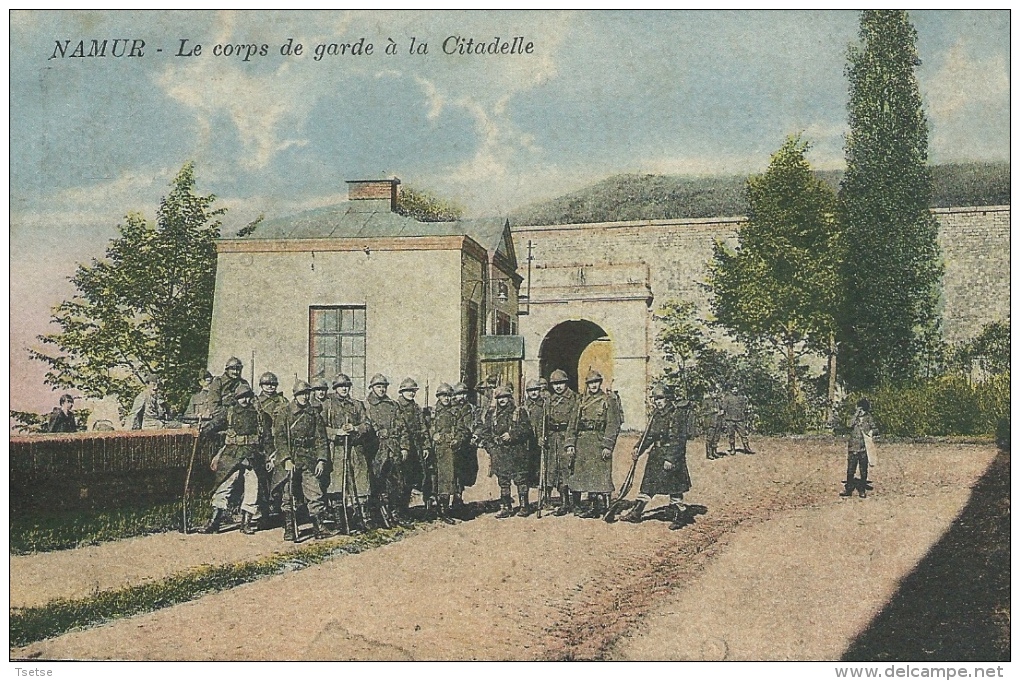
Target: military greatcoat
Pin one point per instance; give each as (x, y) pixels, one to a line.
(466, 462)
(536, 415)
(667, 435)
(450, 435)
(340, 414)
(389, 438)
(510, 459)
(596, 422)
(300, 435)
(560, 409)
(245, 442)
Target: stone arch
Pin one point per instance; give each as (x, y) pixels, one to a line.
(564, 346)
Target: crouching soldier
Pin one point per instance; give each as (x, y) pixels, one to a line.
(507, 434)
(247, 437)
(302, 459)
(450, 435)
(666, 471)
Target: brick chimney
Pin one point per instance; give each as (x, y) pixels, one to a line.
(374, 190)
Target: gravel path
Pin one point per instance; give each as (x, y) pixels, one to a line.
(761, 575)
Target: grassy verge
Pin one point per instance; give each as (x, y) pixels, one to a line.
(41, 532)
(28, 625)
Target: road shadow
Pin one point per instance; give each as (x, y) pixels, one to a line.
(955, 605)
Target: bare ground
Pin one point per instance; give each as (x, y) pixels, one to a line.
(778, 567)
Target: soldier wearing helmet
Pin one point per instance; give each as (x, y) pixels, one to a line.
(415, 470)
(506, 433)
(390, 449)
(270, 402)
(320, 388)
(237, 464)
(535, 402)
(450, 434)
(560, 408)
(302, 459)
(222, 388)
(596, 422)
(467, 456)
(666, 471)
(349, 430)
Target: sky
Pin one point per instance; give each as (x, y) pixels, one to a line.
(600, 93)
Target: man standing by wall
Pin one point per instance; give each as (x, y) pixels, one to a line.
(62, 418)
(597, 424)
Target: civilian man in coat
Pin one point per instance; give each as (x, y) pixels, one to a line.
(62, 418)
(199, 406)
(862, 426)
(390, 448)
(149, 410)
(247, 435)
(666, 471)
(561, 407)
(349, 430)
(506, 434)
(596, 423)
(302, 460)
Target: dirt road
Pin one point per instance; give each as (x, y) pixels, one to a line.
(760, 575)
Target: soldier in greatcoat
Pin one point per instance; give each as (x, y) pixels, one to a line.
(246, 439)
(349, 430)
(390, 448)
(270, 402)
(450, 434)
(466, 461)
(560, 410)
(666, 470)
(596, 423)
(320, 392)
(712, 423)
(302, 461)
(506, 433)
(222, 388)
(414, 469)
(535, 402)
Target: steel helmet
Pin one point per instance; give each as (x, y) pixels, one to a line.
(408, 384)
(559, 376)
(234, 363)
(269, 378)
(444, 389)
(342, 380)
(378, 379)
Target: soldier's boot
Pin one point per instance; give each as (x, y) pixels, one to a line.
(319, 528)
(443, 511)
(213, 526)
(634, 514)
(247, 523)
(506, 507)
(565, 499)
(848, 488)
(594, 508)
(524, 511)
(747, 446)
(678, 514)
(288, 526)
(575, 499)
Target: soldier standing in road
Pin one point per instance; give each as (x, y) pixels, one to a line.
(222, 388)
(535, 402)
(734, 408)
(862, 426)
(302, 460)
(391, 448)
(560, 409)
(450, 435)
(243, 453)
(415, 467)
(506, 433)
(466, 461)
(199, 406)
(712, 423)
(666, 471)
(348, 429)
(597, 424)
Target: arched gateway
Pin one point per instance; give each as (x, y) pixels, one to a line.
(576, 346)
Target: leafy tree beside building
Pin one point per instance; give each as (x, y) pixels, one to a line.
(891, 272)
(145, 307)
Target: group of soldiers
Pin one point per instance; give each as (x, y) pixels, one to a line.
(358, 463)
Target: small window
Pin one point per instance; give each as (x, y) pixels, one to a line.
(504, 327)
(336, 343)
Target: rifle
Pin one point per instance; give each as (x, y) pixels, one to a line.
(543, 473)
(628, 482)
(187, 476)
(343, 488)
(349, 470)
(290, 484)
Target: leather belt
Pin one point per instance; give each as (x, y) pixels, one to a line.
(241, 440)
(558, 427)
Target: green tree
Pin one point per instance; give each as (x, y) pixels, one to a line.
(778, 288)
(146, 306)
(892, 272)
(682, 340)
(422, 206)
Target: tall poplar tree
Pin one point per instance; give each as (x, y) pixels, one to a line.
(891, 272)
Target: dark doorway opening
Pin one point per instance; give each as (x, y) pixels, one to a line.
(564, 345)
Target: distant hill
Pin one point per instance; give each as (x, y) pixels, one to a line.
(654, 197)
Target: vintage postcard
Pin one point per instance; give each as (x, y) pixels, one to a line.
(511, 335)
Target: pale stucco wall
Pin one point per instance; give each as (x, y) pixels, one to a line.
(413, 315)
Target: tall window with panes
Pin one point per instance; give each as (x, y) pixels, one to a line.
(337, 343)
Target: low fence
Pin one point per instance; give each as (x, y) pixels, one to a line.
(104, 471)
